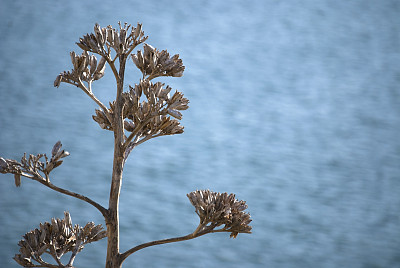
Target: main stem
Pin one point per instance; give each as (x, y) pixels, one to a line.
(112, 221)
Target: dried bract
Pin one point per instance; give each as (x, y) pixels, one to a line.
(155, 63)
(216, 209)
(56, 238)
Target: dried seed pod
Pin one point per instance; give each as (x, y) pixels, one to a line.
(138, 30)
(122, 38)
(58, 80)
(99, 34)
(94, 45)
(93, 64)
(104, 33)
(3, 165)
(54, 226)
(102, 120)
(101, 67)
(175, 113)
(56, 148)
(164, 93)
(67, 219)
(17, 178)
(82, 44)
(138, 90)
(59, 155)
(116, 41)
(110, 35)
(129, 125)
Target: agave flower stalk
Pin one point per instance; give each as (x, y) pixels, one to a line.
(145, 111)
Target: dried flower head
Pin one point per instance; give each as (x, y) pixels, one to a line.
(85, 68)
(156, 63)
(103, 39)
(56, 238)
(32, 165)
(148, 110)
(216, 209)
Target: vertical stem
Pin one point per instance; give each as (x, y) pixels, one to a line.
(113, 255)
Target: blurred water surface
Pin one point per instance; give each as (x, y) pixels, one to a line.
(295, 107)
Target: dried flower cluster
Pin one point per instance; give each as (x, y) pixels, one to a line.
(145, 117)
(122, 41)
(155, 63)
(32, 166)
(216, 209)
(151, 116)
(56, 238)
(85, 69)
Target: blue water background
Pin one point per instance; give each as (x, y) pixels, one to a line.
(295, 107)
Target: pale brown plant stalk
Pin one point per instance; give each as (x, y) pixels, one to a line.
(148, 110)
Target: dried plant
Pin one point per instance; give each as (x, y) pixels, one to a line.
(56, 238)
(216, 209)
(147, 110)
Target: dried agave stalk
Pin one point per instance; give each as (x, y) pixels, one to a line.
(145, 111)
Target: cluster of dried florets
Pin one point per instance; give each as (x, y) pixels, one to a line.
(156, 63)
(32, 166)
(56, 238)
(104, 39)
(145, 117)
(85, 69)
(216, 209)
(151, 116)
(122, 41)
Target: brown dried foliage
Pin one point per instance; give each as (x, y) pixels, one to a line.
(56, 238)
(216, 209)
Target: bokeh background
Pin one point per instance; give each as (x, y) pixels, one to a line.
(295, 107)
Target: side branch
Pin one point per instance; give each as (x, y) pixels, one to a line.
(112, 66)
(99, 207)
(48, 184)
(126, 254)
(92, 96)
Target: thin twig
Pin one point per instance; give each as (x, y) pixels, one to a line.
(102, 210)
(91, 95)
(40, 179)
(73, 255)
(112, 66)
(124, 255)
